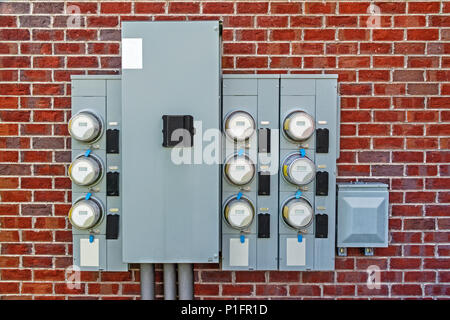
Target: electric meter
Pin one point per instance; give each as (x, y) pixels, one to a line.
(85, 171)
(239, 125)
(298, 170)
(239, 170)
(297, 213)
(86, 213)
(85, 126)
(298, 126)
(239, 213)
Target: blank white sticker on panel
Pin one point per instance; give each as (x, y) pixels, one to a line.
(132, 53)
(238, 253)
(295, 252)
(89, 253)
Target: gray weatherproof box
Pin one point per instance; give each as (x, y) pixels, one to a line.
(362, 215)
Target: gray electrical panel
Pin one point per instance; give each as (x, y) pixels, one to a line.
(97, 242)
(170, 167)
(252, 101)
(170, 81)
(288, 200)
(362, 215)
(309, 113)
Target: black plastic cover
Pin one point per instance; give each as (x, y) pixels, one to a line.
(321, 226)
(112, 226)
(263, 183)
(178, 131)
(321, 183)
(112, 141)
(263, 225)
(112, 184)
(264, 140)
(322, 140)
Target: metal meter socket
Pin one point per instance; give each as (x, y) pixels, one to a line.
(297, 213)
(298, 170)
(239, 125)
(298, 126)
(239, 170)
(239, 213)
(85, 126)
(86, 213)
(85, 171)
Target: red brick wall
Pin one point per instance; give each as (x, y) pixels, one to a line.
(394, 83)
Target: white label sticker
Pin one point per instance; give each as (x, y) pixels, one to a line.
(132, 53)
(295, 252)
(238, 253)
(89, 253)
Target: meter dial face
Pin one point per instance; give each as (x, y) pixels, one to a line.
(85, 171)
(239, 170)
(85, 126)
(298, 126)
(239, 125)
(298, 170)
(239, 213)
(85, 214)
(297, 213)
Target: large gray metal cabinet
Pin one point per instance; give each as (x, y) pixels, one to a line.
(171, 208)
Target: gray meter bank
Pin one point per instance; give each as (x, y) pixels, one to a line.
(132, 203)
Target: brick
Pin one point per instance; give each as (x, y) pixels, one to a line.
(237, 290)
(272, 21)
(354, 62)
(319, 35)
(115, 7)
(249, 7)
(320, 8)
(15, 7)
(273, 48)
(422, 34)
(238, 21)
(206, 289)
(34, 21)
(48, 7)
(408, 75)
(424, 7)
(342, 48)
(217, 7)
(319, 62)
(305, 21)
(423, 89)
(387, 34)
(101, 22)
(251, 62)
(251, 35)
(184, 7)
(285, 8)
(149, 7)
(355, 89)
(272, 290)
(285, 62)
(387, 170)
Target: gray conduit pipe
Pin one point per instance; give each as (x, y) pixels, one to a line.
(147, 281)
(185, 281)
(170, 281)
